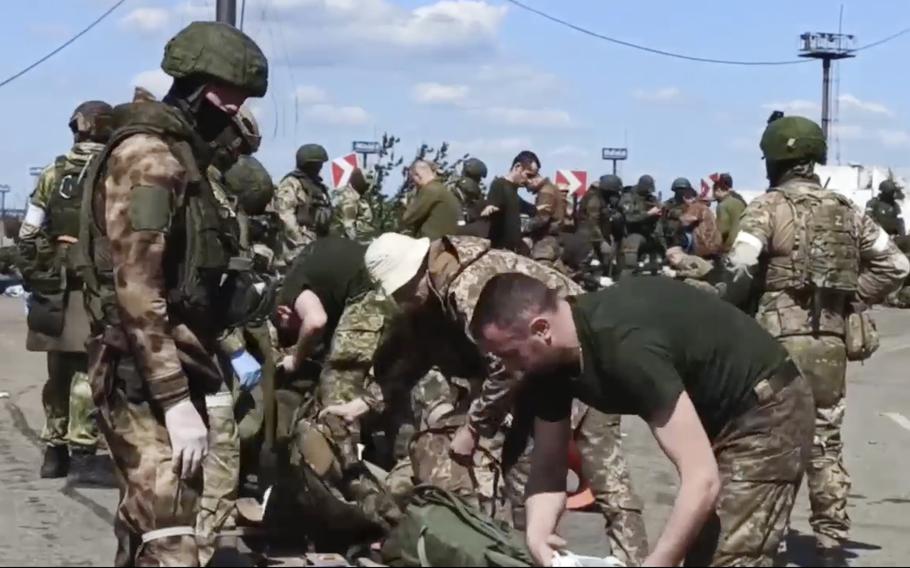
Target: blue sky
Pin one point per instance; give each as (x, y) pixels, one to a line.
(485, 76)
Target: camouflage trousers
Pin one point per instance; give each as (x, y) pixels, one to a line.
(157, 512)
(328, 446)
(221, 474)
(823, 361)
(67, 398)
(762, 456)
(598, 440)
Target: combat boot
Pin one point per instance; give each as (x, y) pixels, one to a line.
(831, 557)
(56, 462)
(87, 469)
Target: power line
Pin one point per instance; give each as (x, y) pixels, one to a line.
(675, 55)
(64, 45)
(640, 47)
(904, 31)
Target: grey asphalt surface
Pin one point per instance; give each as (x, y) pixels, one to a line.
(49, 523)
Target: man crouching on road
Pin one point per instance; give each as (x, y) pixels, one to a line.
(723, 400)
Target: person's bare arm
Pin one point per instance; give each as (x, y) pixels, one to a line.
(546, 491)
(313, 320)
(683, 439)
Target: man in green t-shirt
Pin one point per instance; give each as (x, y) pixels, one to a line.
(434, 211)
(723, 400)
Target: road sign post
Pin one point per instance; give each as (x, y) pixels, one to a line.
(365, 148)
(615, 155)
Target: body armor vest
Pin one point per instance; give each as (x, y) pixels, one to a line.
(65, 201)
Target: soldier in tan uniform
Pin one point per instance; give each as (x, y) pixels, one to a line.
(57, 322)
(302, 204)
(156, 274)
(438, 284)
(353, 214)
(821, 254)
(545, 227)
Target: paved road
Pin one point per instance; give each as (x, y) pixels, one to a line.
(49, 523)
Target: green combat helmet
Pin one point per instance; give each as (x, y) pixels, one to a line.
(610, 184)
(888, 187)
(92, 120)
(251, 183)
(311, 154)
(220, 52)
(645, 184)
(794, 139)
(681, 184)
(474, 169)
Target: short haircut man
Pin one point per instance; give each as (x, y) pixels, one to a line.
(527, 159)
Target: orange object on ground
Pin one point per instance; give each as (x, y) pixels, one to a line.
(583, 497)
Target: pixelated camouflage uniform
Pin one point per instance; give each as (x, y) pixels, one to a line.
(353, 215)
(641, 228)
(545, 227)
(459, 267)
(771, 224)
(304, 211)
(67, 394)
(346, 376)
(147, 354)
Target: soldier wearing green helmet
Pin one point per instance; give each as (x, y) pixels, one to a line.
(885, 209)
(57, 324)
(821, 258)
(155, 253)
(302, 204)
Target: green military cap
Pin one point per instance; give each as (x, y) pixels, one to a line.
(794, 138)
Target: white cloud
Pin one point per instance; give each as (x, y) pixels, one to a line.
(527, 78)
(146, 20)
(310, 95)
(155, 80)
(438, 93)
(335, 115)
(527, 117)
(851, 102)
(664, 95)
(359, 31)
(796, 106)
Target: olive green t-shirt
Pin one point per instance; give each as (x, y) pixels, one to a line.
(646, 340)
(334, 270)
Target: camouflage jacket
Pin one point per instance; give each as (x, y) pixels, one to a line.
(459, 268)
(635, 207)
(551, 213)
(37, 251)
(353, 215)
(768, 230)
(304, 210)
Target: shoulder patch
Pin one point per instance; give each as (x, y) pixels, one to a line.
(150, 208)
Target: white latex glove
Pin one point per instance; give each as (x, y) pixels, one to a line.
(189, 438)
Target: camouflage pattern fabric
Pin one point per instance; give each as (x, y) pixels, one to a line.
(152, 496)
(353, 215)
(824, 363)
(67, 398)
(304, 212)
(762, 456)
(220, 474)
(707, 240)
(888, 214)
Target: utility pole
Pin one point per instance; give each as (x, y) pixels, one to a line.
(4, 189)
(226, 11)
(828, 47)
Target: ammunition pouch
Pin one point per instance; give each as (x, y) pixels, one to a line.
(861, 334)
(244, 298)
(47, 314)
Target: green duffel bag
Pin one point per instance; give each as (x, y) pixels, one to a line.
(440, 529)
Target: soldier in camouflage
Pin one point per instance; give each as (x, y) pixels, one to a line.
(805, 304)
(153, 355)
(353, 214)
(885, 210)
(302, 204)
(438, 285)
(641, 212)
(600, 219)
(57, 321)
(470, 189)
(545, 228)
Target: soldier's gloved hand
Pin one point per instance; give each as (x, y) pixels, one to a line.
(463, 446)
(189, 438)
(350, 412)
(248, 369)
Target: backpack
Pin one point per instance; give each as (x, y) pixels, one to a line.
(440, 529)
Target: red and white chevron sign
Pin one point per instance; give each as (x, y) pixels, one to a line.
(342, 168)
(573, 181)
